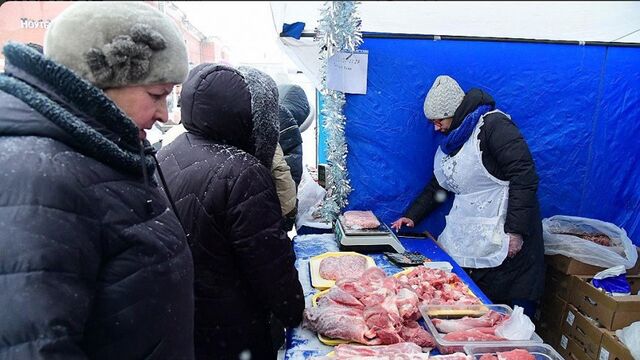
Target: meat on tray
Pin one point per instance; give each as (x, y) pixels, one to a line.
(600, 239)
(437, 287)
(516, 354)
(338, 267)
(373, 310)
(475, 334)
(490, 319)
(403, 348)
(355, 219)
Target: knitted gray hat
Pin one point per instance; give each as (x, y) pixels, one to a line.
(443, 98)
(117, 44)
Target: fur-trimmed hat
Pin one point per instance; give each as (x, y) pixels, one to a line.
(117, 44)
(443, 98)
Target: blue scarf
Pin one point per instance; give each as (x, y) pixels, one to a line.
(456, 138)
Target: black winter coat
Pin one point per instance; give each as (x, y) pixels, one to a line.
(93, 263)
(294, 110)
(219, 175)
(506, 156)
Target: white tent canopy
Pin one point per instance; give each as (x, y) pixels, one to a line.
(581, 21)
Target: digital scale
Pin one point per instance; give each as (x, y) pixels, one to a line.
(380, 239)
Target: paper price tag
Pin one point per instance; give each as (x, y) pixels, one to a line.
(564, 342)
(347, 72)
(570, 318)
(604, 354)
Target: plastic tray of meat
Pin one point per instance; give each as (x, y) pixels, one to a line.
(510, 352)
(336, 265)
(437, 272)
(453, 332)
(323, 339)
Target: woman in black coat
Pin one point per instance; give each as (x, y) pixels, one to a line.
(518, 277)
(219, 174)
(93, 261)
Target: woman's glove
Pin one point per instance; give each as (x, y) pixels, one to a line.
(515, 244)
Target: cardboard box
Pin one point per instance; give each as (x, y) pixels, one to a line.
(576, 351)
(612, 312)
(563, 346)
(612, 349)
(551, 311)
(556, 283)
(571, 266)
(586, 333)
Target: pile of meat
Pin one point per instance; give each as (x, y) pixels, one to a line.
(360, 220)
(374, 309)
(481, 328)
(338, 267)
(405, 350)
(517, 354)
(437, 287)
(600, 239)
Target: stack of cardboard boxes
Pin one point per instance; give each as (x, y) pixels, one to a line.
(578, 320)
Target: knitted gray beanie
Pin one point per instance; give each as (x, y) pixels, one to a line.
(443, 98)
(117, 44)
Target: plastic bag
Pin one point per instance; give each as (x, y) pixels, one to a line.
(612, 281)
(630, 336)
(310, 196)
(517, 327)
(621, 252)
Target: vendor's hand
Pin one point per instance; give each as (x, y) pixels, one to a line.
(396, 225)
(515, 244)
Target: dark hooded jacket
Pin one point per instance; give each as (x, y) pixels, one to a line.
(93, 263)
(506, 156)
(219, 175)
(294, 109)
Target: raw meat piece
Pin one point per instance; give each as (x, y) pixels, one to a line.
(454, 356)
(407, 303)
(476, 334)
(437, 287)
(404, 348)
(339, 267)
(340, 297)
(339, 322)
(516, 354)
(491, 318)
(488, 357)
(600, 239)
(413, 332)
(360, 220)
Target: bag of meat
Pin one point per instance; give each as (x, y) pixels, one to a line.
(356, 220)
(591, 241)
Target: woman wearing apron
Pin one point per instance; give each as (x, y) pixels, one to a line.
(493, 229)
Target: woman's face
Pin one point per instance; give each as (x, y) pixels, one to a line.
(442, 125)
(144, 104)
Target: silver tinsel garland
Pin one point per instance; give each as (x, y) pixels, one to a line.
(338, 30)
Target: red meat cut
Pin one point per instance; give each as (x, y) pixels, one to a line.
(340, 267)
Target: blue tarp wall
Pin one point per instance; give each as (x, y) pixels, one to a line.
(578, 108)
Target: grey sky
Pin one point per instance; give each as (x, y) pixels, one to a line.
(246, 27)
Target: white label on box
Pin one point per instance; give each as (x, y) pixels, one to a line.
(563, 342)
(604, 354)
(570, 318)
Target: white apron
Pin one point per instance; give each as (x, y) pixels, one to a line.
(474, 233)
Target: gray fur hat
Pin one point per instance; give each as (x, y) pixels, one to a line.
(443, 98)
(117, 44)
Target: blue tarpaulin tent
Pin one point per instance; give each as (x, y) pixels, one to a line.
(567, 73)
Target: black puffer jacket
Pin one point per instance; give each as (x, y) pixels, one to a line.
(218, 172)
(294, 109)
(93, 264)
(506, 156)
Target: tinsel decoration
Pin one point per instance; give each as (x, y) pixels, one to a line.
(338, 30)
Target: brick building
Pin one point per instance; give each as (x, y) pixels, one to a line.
(27, 21)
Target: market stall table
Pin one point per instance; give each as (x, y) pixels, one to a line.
(302, 343)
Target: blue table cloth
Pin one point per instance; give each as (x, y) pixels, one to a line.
(302, 343)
